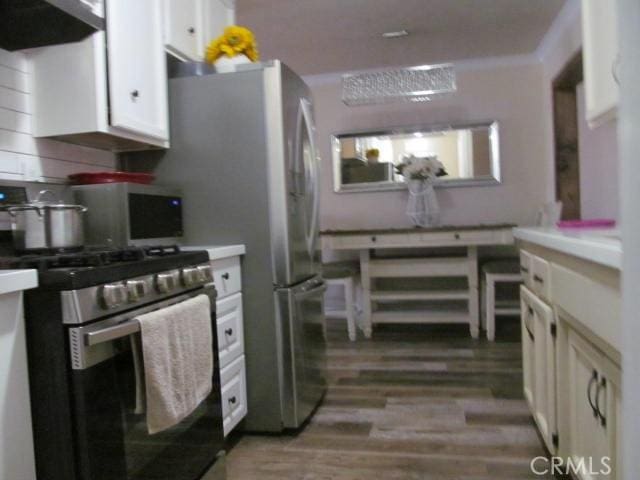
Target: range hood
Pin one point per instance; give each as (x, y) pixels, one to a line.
(38, 23)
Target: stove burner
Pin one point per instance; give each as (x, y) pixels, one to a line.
(92, 257)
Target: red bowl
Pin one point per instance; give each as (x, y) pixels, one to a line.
(90, 178)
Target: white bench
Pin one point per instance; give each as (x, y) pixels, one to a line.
(499, 271)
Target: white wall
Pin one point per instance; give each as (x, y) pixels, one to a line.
(21, 156)
(599, 164)
(509, 90)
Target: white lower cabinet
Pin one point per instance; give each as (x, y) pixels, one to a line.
(571, 358)
(593, 409)
(230, 329)
(539, 346)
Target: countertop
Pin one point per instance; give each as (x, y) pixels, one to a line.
(217, 252)
(442, 228)
(602, 245)
(17, 280)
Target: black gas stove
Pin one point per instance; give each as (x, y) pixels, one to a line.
(98, 265)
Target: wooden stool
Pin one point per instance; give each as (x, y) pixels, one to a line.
(499, 271)
(345, 275)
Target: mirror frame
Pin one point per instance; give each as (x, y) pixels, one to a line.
(485, 180)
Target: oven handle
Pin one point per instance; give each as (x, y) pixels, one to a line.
(129, 325)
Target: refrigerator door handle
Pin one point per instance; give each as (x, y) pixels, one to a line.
(305, 107)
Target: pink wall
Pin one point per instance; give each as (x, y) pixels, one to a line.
(511, 94)
(599, 166)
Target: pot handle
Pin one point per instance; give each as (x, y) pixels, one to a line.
(23, 208)
(42, 193)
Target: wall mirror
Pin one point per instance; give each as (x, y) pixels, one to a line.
(470, 155)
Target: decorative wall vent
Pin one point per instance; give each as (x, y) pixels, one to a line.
(412, 84)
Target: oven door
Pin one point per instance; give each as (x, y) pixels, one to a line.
(112, 442)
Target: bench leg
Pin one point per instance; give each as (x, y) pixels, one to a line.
(491, 308)
(350, 307)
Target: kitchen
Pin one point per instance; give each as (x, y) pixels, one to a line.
(418, 393)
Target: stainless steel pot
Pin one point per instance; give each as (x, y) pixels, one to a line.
(44, 225)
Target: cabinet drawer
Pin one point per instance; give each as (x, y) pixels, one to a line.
(594, 304)
(230, 329)
(227, 276)
(525, 268)
(540, 277)
(233, 394)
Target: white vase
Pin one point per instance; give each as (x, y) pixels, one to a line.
(228, 64)
(422, 205)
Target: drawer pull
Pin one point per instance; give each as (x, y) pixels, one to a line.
(592, 382)
(524, 269)
(374, 239)
(601, 386)
(531, 337)
(225, 275)
(232, 400)
(538, 278)
(530, 310)
(229, 331)
(456, 236)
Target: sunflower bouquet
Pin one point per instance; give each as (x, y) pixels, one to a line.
(234, 41)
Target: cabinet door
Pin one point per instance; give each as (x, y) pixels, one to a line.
(594, 402)
(182, 20)
(215, 16)
(540, 364)
(137, 68)
(600, 57)
(528, 350)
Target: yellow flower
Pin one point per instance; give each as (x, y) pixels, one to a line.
(235, 40)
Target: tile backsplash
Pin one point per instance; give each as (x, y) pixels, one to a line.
(23, 157)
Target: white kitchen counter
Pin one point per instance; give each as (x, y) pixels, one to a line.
(217, 252)
(602, 246)
(17, 280)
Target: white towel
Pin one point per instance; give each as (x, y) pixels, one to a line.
(178, 360)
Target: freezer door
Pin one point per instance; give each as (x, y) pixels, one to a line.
(304, 350)
(294, 174)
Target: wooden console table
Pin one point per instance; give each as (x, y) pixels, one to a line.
(453, 305)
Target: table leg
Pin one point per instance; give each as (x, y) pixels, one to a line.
(366, 292)
(474, 300)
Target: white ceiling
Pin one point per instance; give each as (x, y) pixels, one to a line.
(323, 36)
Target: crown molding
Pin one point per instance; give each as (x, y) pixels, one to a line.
(569, 14)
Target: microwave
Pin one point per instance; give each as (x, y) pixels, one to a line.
(126, 214)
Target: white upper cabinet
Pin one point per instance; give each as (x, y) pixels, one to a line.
(108, 91)
(600, 60)
(191, 24)
(137, 67)
(182, 22)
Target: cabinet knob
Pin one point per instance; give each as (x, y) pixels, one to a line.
(456, 236)
(374, 239)
(191, 30)
(232, 400)
(229, 331)
(225, 275)
(135, 93)
(524, 269)
(538, 278)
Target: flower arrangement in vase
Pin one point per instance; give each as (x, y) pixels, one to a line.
(237, 45)
(420, 172)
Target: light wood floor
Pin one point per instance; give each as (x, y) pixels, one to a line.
(412, 403)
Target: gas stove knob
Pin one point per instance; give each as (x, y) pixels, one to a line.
(206, 273)
(137, 289)
(190, 276)
(114, 295)
(168, 281)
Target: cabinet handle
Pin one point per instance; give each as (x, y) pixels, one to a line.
(530, 310)
(524, 269)
(229, 331)
(538, 278)
(135, 94)
(374, 239)
(456, 236)
(232, 400)
(530, 334)
(614, 69)
(225, 275)
(592, 382)
(191, 30)
(601, 386)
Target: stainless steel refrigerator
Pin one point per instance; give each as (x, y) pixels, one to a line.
(243, 151)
